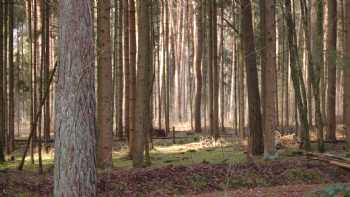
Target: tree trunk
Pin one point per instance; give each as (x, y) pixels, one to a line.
(269, 76)
(11, 123)
(296, 73)
(255, 128)
(104, 86)
(346, 83)
(132, 70)
(144, 80)
(198, 64)
(2, 114)
(331, 66)
(213, 72)
(75, 170)
(46, 76)
(118, 66)
(126, 67)
(314, 46)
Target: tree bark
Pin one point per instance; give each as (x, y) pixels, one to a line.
(213, 72)
(269, 76)
(75, 168)
(104, 86)
(2, 114)
(132, 70)
(331, 66)
(198, 64)
(255, 128)
(126, 67)
(47, 117)
(118, 66)
(296, 73)
(144, 80)
(347, 73)
(11, 122)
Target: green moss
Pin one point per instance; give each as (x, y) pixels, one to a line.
(302, 175)
(185, 154)
(250, 179)
(199, 182)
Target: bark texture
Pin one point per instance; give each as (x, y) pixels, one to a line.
(104, 85)
(331, 66)
(255, 128)
(269, 77)
(198, 64)
(347, 73)
(75, 172)
(144, 80)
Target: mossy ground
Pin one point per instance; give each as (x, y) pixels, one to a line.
(189, 151)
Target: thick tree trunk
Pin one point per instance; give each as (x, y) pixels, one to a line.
(75, 171)
(255, 128)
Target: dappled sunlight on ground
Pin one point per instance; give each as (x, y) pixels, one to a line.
(206, 150)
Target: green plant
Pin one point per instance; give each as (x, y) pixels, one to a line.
(336, 190)
(199, 182)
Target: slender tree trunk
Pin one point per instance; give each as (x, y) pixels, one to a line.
(346, 83)
(199, 39)
(331, 66)
(132, 69)
(11, 126)
(126, 67)
(314, 47)
(75, 170)
(255, 127)
(213, 72)
(222, 70)
(104, 86)
(2, 114)
(296, 72)
(47, 117)
(118, 54)
(166, 73)
(144, 80)
(269, 76)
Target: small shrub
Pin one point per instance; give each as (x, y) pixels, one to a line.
(302, 175)
(336, 190)
(199, 182)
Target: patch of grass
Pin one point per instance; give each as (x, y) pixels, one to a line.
(185, 154)
(188, 153)
(199, 182)
(250, 179)
(47, 161)
(302, 175)
(335, 190)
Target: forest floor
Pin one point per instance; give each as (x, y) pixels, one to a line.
(195, 166)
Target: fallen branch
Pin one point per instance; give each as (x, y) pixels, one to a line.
(36, 118)
(331, 159)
